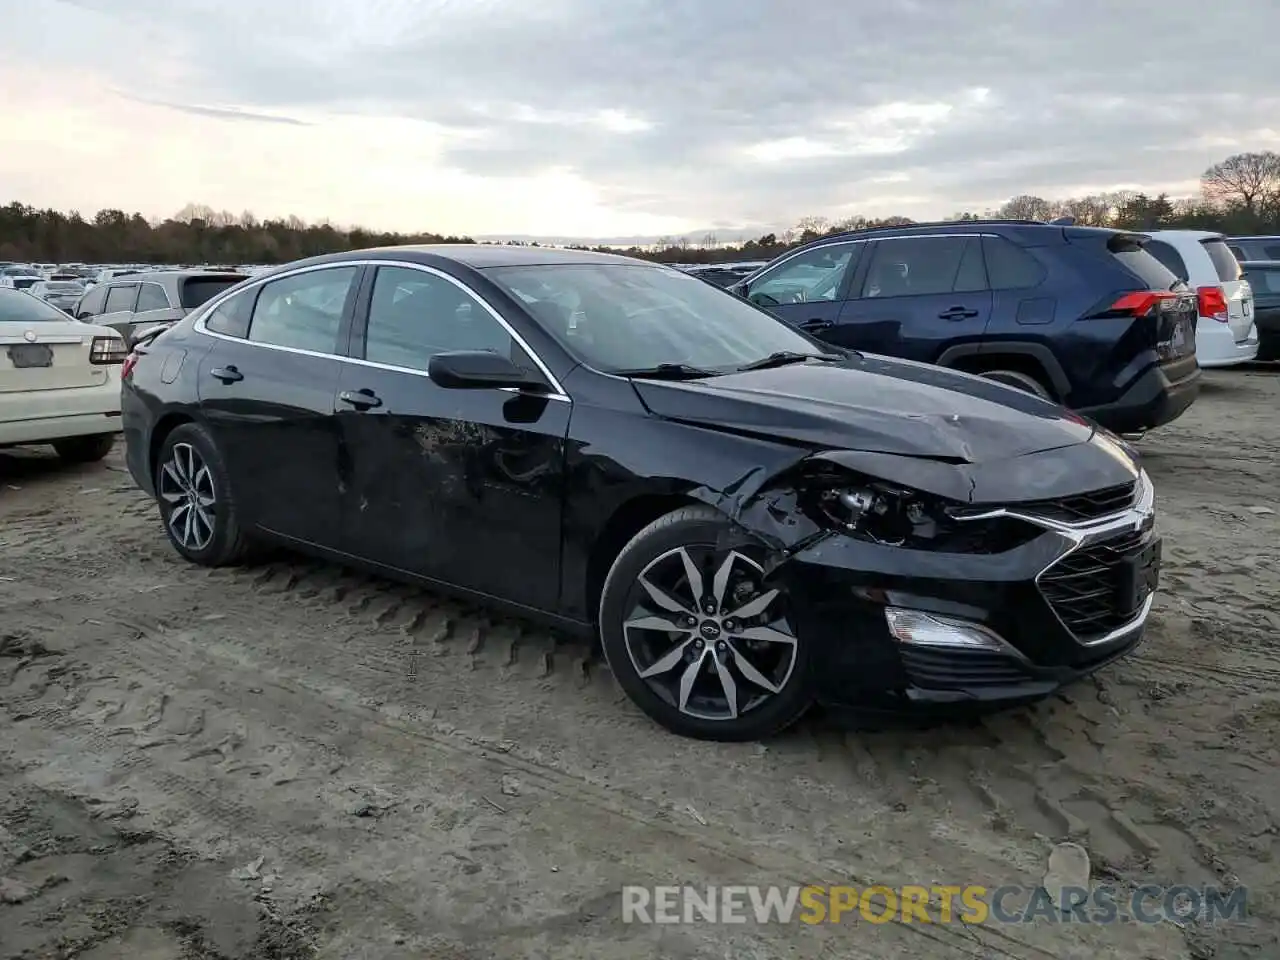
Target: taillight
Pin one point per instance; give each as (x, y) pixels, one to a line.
(1213, 303)
(105, 350)
(130, 362)
(1141, 302)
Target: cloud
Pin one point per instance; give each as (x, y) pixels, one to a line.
(223, 113)
(739, 112)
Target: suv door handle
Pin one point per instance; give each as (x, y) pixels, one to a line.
(364, 399)
(816, 324)
(957, 313)
(227, 374)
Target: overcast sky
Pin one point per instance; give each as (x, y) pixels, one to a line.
(609, 118)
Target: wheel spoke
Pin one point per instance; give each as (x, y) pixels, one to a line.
(721, 582)
(728, 684)
(206, 521)
(204, 487)
(172, 498)
(189, 526)
(695, 577)
(182, 455)
(767, 635)
(662, 598)
(170, 471)
(687, 680)
(654, 623)
(755, 606)
(750, 673)
(176, 518)
(668, 661)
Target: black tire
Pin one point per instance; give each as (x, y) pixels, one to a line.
(88, 449)
(1016, 378)
(227, 542)
(702, 528)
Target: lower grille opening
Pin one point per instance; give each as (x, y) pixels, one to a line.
(937, 669)
(1084, 587)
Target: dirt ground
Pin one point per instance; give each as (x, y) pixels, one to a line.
(293, 761)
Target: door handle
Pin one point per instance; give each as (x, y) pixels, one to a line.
(816, 324)
(958, 313)
(364, 399)
(227, 374)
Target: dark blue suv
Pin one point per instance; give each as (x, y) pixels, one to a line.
(1081, 315)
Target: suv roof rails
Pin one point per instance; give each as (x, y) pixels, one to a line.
(937, 223)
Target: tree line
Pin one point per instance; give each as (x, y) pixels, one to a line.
(1240, 196)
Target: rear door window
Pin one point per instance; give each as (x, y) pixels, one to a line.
(1265, 280)
(303, 312)
(1224, 261)
(915, 266)
(231, 317)
(121, 298)
(1169, 257)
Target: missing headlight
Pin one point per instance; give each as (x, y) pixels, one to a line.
(879, 513)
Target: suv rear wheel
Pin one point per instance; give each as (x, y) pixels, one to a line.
(1016, 378)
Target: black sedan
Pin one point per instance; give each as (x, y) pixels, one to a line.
(749, 521)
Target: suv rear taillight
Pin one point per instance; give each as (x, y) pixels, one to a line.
(1213, 303)
(104, 350)
(1140, 303)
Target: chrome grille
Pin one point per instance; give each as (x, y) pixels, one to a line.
(1084, 586)
(1083, 506)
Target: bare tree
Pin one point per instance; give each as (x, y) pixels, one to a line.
(708, 241)
(1094, 210)
(817, 225)
(1026, 207)
(1247, 179)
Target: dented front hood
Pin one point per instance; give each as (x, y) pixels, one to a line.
(876, 405)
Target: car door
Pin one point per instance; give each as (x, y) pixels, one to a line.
(463, 486)
(117, 309)
(91, 304)
(917, 296)
(806, 290)
(266, 393)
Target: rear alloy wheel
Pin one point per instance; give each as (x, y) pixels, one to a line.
(697, 637)
(1016, 378)
(195, 499)
(89, 449)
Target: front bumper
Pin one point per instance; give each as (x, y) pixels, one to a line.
(1045, 629)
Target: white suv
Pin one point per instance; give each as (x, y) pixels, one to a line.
(59, 379)
(1225, 333)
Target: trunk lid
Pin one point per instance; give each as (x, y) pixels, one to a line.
(50, 355)
(1236, 290)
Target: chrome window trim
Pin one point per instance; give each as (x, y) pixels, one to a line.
(206, 309)
(1138, 516)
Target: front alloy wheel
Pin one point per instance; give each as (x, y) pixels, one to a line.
(702, 642)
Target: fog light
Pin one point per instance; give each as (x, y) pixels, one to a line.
(921, 629)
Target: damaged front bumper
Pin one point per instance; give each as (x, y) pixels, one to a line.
(892, 627)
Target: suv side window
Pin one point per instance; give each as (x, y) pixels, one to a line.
(915, 266)
(413, 315)
(304, 311)
(1009, 266)
(1170, 257)
(151, 296)
(231, 317)
(121, 297)
(816, 274)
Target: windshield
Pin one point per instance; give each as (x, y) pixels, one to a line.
(616, 317)
(19, 272)
(63, 286)
(16, 307)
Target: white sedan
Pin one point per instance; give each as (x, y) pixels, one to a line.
(59, 379)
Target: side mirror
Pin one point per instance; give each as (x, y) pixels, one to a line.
(476, 369)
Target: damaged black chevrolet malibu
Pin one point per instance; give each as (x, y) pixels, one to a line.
(749, 521)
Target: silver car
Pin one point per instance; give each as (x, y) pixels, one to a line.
(62, 294)
(134, 303)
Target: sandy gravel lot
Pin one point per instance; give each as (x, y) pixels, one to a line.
(292, 761)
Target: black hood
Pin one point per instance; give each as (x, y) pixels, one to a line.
(875, 404)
